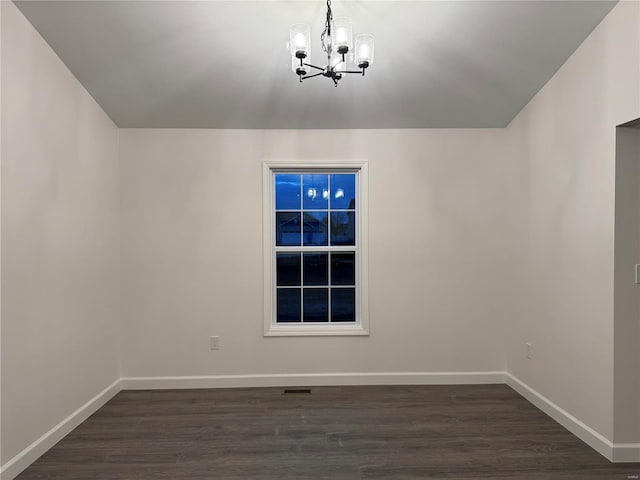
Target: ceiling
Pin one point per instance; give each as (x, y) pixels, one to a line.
(224, 64)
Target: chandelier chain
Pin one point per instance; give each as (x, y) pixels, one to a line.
(327, 28)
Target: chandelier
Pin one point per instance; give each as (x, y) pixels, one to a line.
(337, 43)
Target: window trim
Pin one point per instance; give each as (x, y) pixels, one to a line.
(271, 329)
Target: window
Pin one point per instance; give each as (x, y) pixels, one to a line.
(315, 249)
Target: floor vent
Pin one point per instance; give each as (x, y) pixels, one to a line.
(297, 390)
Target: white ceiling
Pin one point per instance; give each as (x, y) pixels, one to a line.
(223, 64)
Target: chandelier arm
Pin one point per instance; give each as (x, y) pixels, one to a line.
(313, 66)
(359, 72)
(311, 76)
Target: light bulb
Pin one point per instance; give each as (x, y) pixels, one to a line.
(299, 41)
(365, 51)
(341, 36)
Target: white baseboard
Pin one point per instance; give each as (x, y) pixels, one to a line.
(313, 379)
(26, 457)
(614, 452)
(626, 452)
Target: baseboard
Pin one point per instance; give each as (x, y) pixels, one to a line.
(26, 457)
(614, 452)
(318, 379)
(626, 453)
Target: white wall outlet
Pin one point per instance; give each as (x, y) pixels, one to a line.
(215, 343)
(528, 350)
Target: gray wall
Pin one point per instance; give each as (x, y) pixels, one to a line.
(60, 239)
(627, 293)
(565, 143)
(440, 251)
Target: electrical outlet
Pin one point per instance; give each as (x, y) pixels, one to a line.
(215, 343)
(528, 350)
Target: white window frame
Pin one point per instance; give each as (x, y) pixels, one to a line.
(361, 326)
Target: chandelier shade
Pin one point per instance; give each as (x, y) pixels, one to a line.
(338, 65)
(337, 43)
(300, 40)
(343, 42)
(364, 51)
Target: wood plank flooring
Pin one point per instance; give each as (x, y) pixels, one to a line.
(339, 433)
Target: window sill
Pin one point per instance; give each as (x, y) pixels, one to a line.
(315, 331)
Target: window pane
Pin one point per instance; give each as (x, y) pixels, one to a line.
(343, 228)
(316, 304)
(343, 304)
(343, 268)
(288, 305)
(288, 228)
(287, 192)
(316, 269)
(315, 189)
(343, 191)
(315, 228)
(288, 269)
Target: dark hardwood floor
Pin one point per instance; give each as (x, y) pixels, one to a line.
(400, 432)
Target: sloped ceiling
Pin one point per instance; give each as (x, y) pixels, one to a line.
(224, 64)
